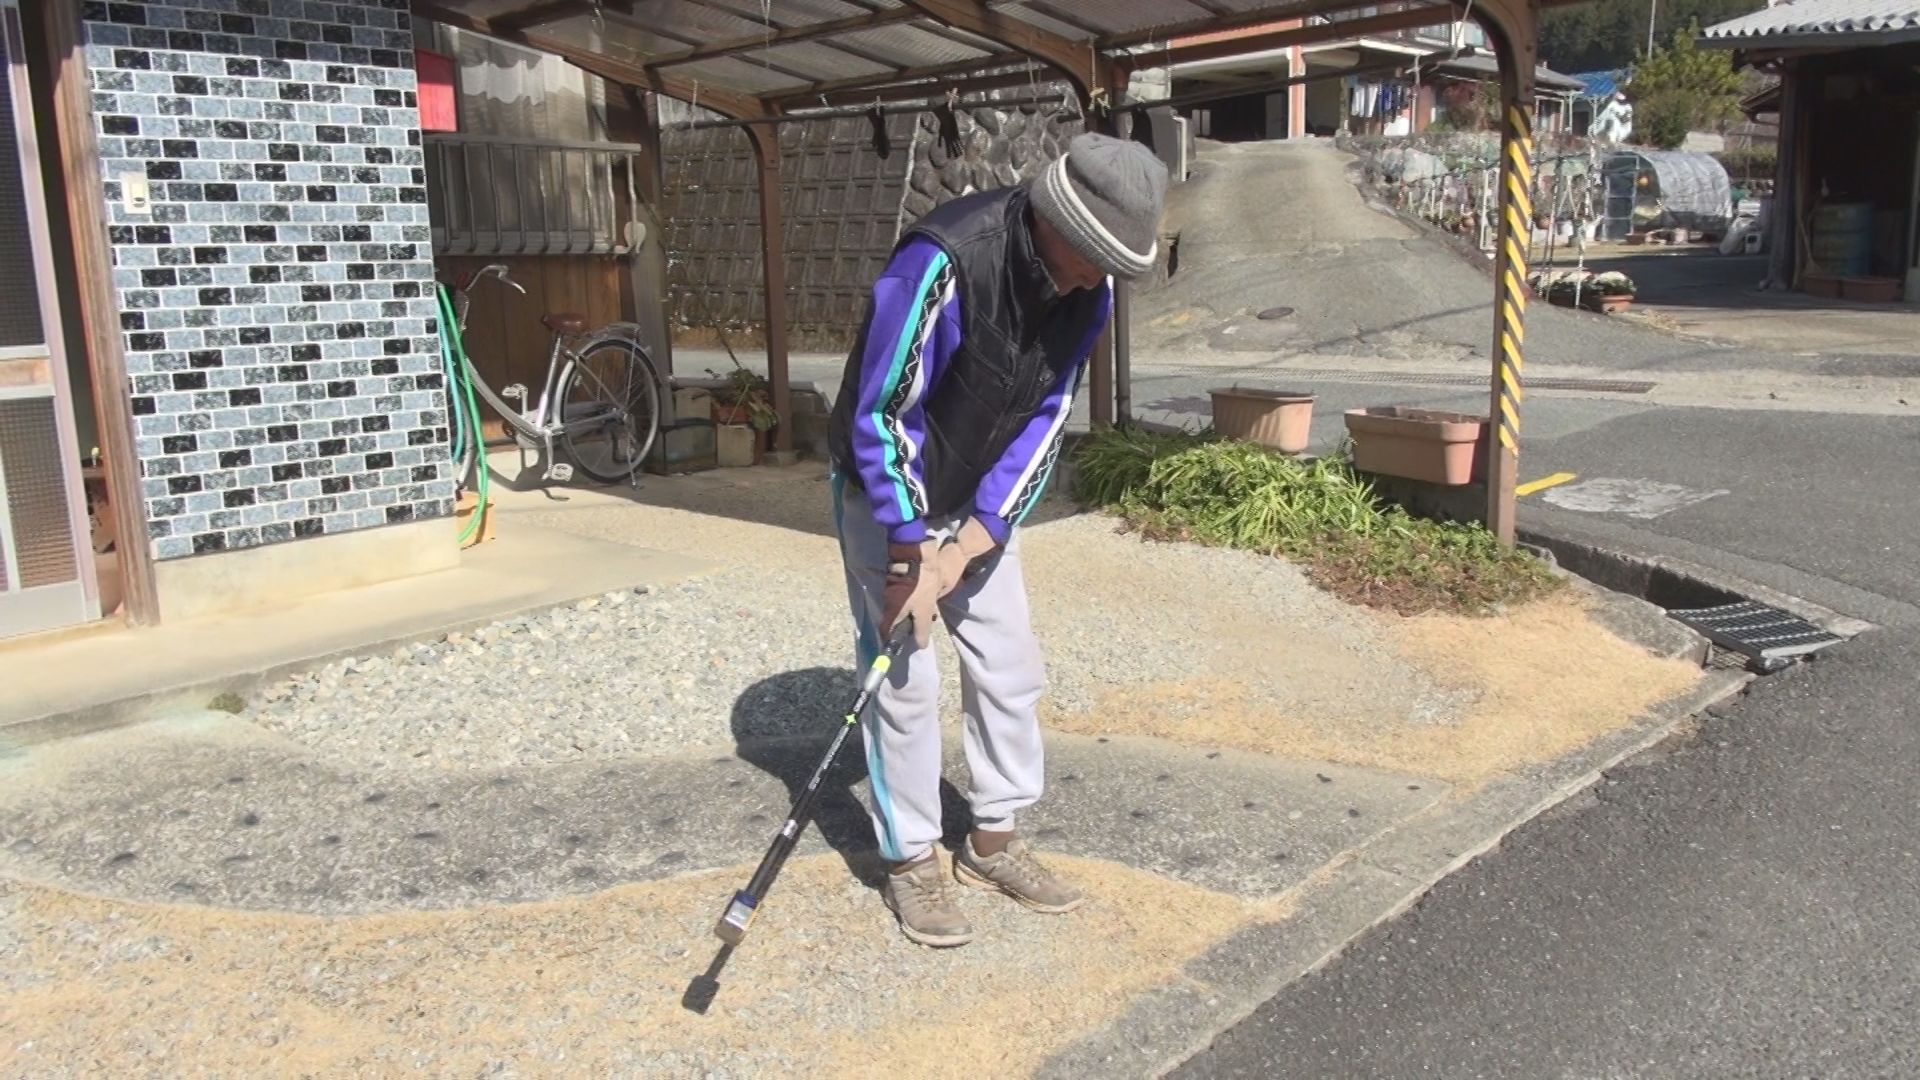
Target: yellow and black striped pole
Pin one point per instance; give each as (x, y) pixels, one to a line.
(1511, 288)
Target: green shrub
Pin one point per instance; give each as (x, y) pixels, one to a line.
(1751, 163)
(1319, 513)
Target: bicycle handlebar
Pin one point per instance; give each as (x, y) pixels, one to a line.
(499, 270)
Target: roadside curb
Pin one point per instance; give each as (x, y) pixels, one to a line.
(1669, 582)
(1358, 893)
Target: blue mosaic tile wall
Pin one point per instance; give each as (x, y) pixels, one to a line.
(277, 301)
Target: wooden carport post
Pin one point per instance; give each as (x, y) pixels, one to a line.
(1118, 395)
(1110, 363)
(773, 258)
(1513, 26)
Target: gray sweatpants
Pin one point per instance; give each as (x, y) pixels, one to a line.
(1001, 678)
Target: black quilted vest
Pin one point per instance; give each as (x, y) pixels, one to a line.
(1018, 336)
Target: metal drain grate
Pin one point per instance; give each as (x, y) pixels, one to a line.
(1757, 630)
(1413, 378)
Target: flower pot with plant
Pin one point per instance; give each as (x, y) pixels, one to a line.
(745, 400)
(1609, 292)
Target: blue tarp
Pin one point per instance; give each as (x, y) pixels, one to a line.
(1602, 84)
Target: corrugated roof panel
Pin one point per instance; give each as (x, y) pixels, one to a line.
(618, 40)
(818, 59)
(1127, 16)
(1806, 18)
(733, 73)
(1256, 5)
(637, 31)
(1058, 17)
(912, 46)
(683, 18)
(801, 12)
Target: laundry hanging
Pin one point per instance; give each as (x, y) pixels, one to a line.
(1360, 99)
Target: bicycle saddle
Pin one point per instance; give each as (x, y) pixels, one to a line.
(565, 322)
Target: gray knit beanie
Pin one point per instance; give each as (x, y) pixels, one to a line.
(1105, 196)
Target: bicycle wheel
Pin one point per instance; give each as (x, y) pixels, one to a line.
(609, 408)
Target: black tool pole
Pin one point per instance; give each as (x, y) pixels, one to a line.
(789, 837)
(732, 927)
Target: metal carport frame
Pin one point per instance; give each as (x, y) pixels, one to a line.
(764, 62)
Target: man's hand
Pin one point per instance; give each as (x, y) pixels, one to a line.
(912, 590)
(970, 543)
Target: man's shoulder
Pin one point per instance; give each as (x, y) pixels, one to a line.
(914, 257)
(968, 221)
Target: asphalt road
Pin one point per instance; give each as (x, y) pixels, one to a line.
(1740, 902)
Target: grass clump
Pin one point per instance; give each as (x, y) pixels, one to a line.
(1318, 513)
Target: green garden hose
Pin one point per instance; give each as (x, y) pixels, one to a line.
(463, 408)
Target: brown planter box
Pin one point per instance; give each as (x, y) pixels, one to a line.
(1277, 418)
(1420, 444)
(1824, 285)
(1872, 290)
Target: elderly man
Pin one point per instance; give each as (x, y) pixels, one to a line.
(944, 433)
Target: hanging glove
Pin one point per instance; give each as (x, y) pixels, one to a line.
(967, 546)
(912, 590)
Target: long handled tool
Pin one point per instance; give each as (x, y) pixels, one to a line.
(733, 924)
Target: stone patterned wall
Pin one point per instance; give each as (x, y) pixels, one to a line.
(277, 300)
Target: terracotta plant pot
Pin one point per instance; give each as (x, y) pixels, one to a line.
(1872, 290)
(1823, 285)
(1607, 305)
(1420, 444)
(1277, 418)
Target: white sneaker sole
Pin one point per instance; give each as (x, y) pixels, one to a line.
(974, 879)
(932, 941)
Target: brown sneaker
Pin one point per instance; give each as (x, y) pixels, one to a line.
(920, 896)
(1018, 873)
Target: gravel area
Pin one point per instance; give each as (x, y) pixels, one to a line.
(763, 647)
(584, 986)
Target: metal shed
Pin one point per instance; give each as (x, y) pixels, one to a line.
(767, 62)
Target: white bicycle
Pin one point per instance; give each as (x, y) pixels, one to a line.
(601, 398)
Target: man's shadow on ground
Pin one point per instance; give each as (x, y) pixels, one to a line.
(792, 753)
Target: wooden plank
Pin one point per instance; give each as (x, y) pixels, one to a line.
(1273, 41)
(99, 312)
(603, 291)
(523, 340)
(532, 15)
